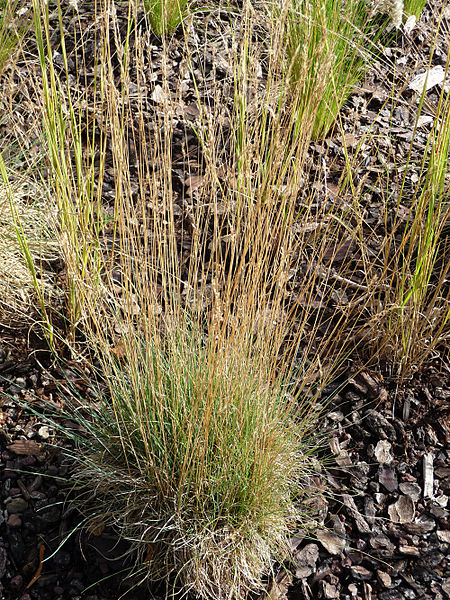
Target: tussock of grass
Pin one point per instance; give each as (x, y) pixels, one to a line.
(27, 244)
(198, 451)
(165, 16)
(198, 456)
(329, 49)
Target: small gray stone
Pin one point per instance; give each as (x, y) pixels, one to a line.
(17, 505)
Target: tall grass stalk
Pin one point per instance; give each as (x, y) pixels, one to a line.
(73, 169)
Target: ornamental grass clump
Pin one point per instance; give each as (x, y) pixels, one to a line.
(28, 248)
(329, 45)
(165, 16)
(197, 455)
(195, 447)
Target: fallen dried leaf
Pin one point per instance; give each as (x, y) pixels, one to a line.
(39, 569)
(193, 183)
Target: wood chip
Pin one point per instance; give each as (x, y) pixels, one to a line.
(331, 542)
(427, 80)
(305, 561)
(383, 452)
(443, 536)
(279, 587)
(158, 95)
(402, 511)
(25, 448)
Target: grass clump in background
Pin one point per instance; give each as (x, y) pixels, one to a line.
(28, 247)
(414, 7)
(165, 16)
(329, 46)
(14, 23)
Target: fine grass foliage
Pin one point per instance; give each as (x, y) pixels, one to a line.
(328, 51)
(14, 23)
(198, 456)
(28, 247)
(421, 318)
(414, 7)
(165, 16)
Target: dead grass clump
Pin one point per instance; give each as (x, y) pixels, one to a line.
(28, 245)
